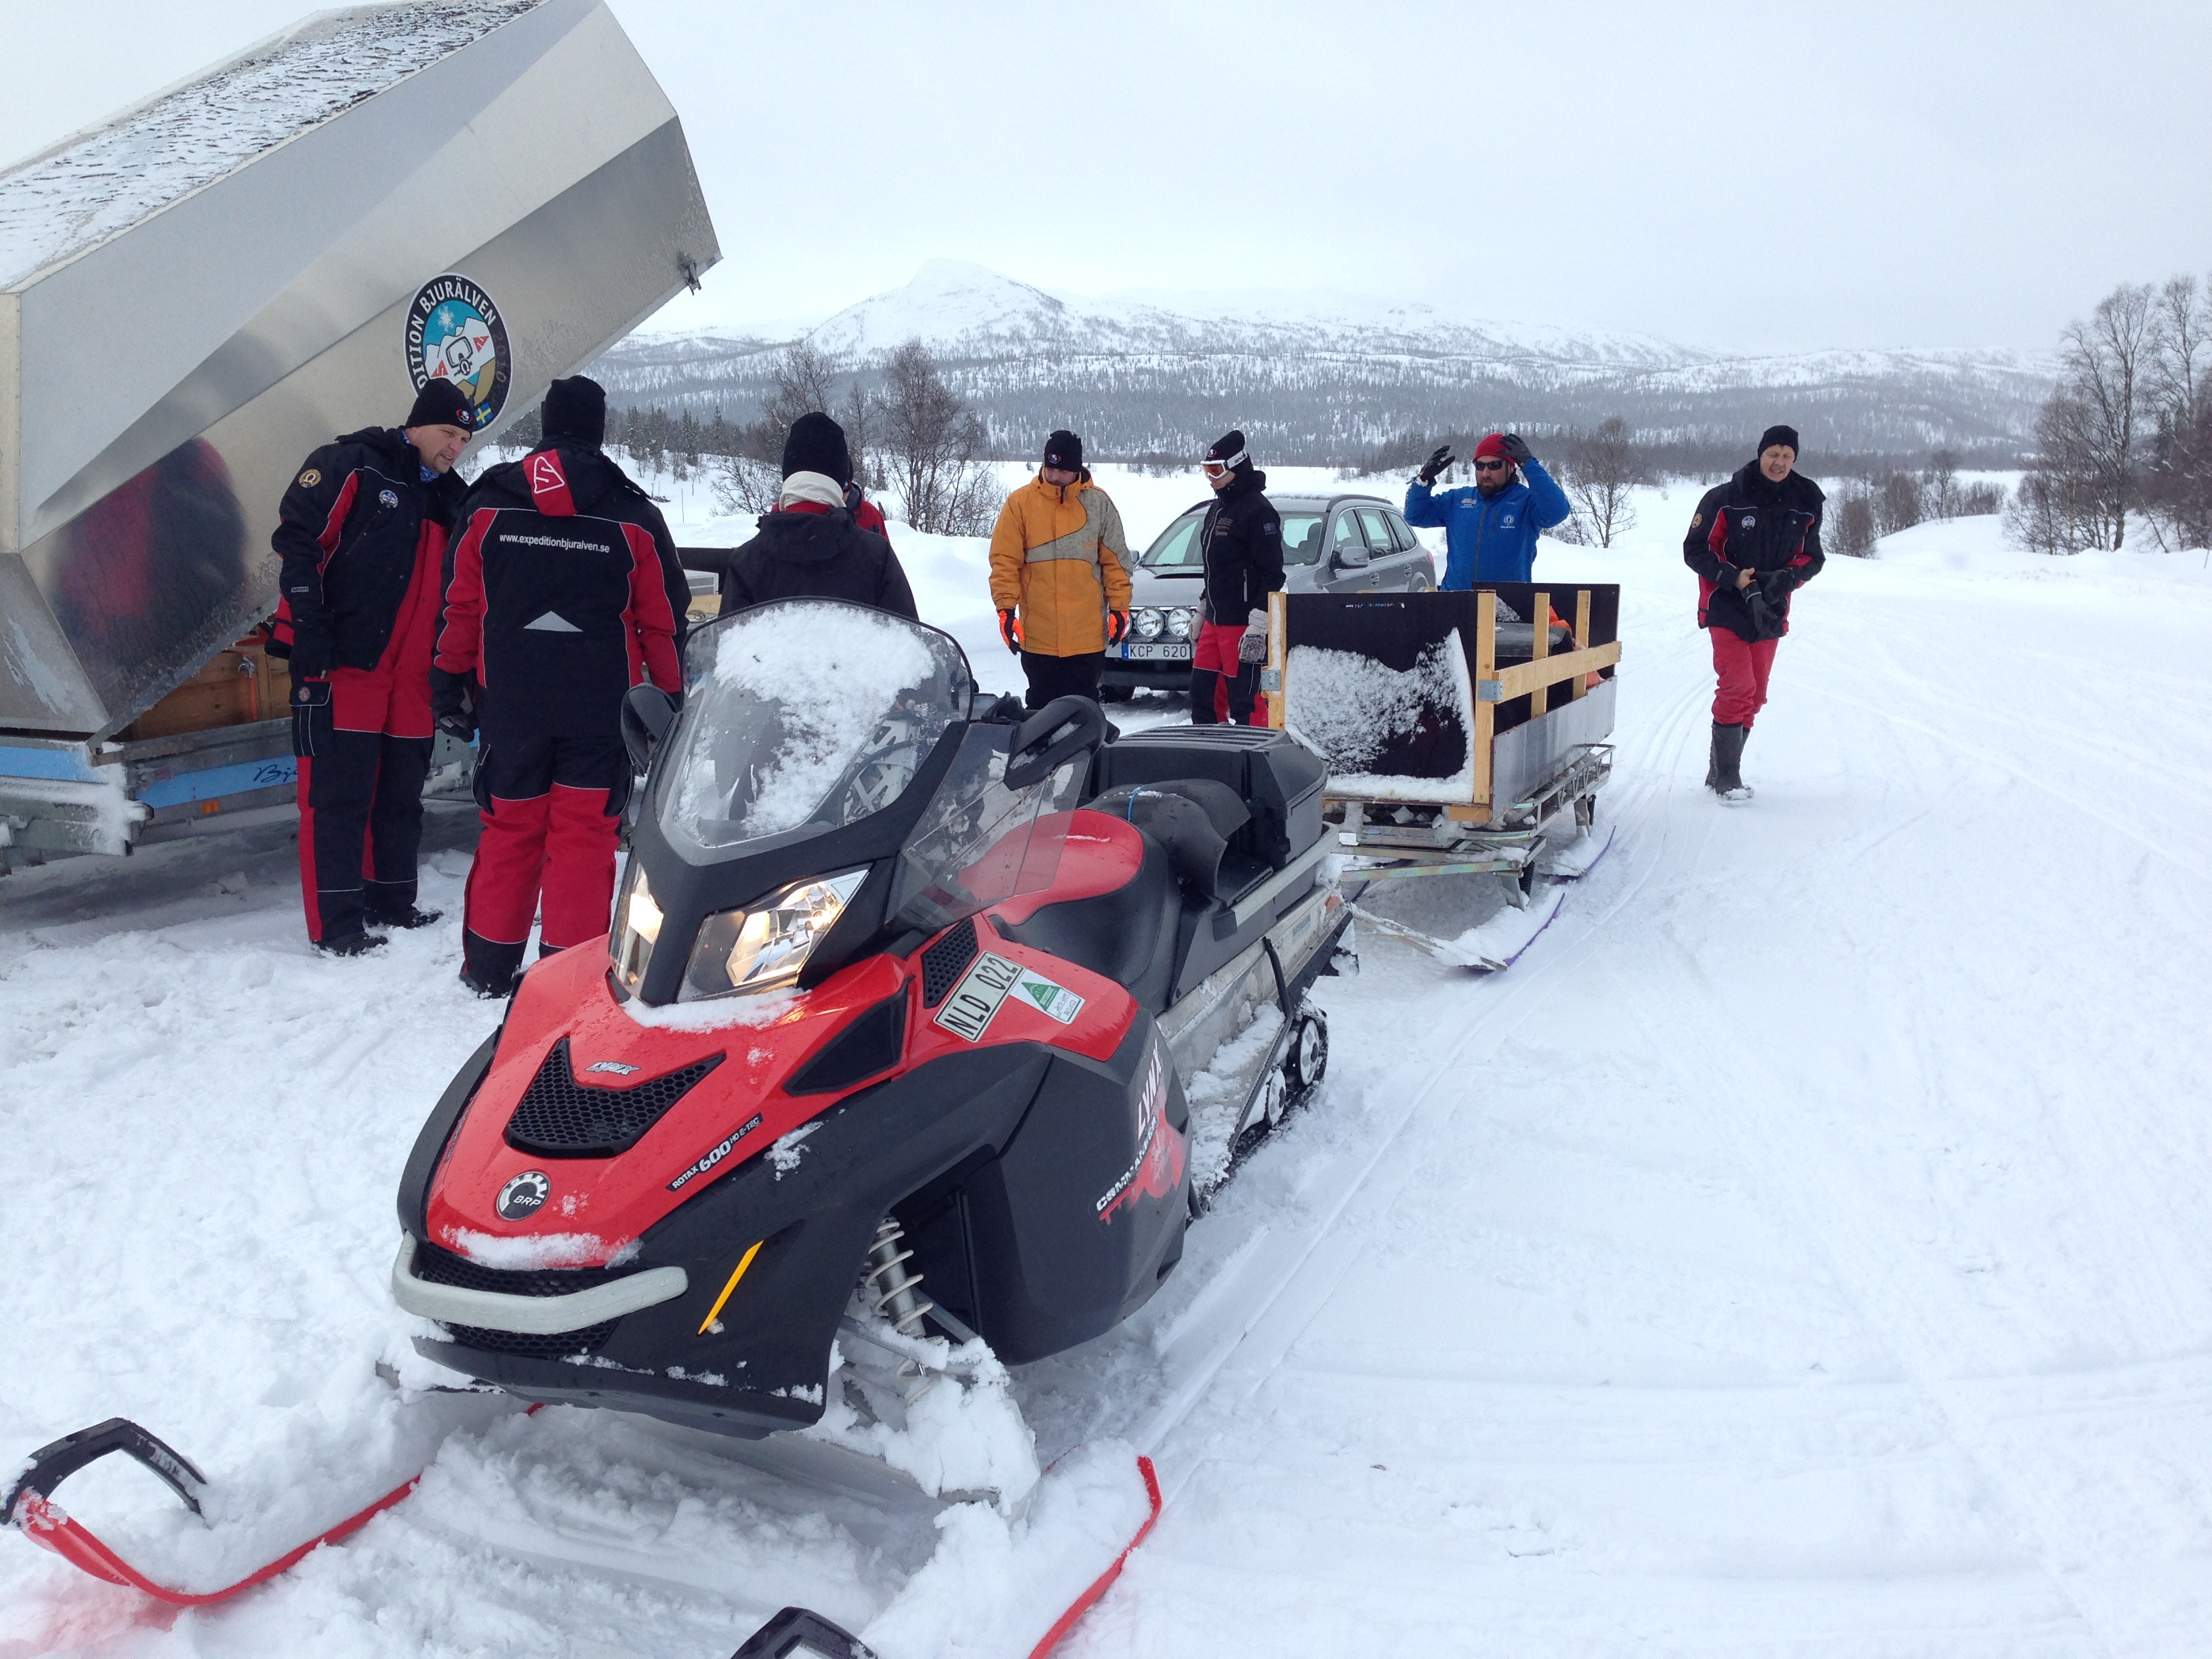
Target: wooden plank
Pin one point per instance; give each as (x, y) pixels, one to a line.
(1486, 668)
(1539, 646)
(1523, 677)
(1582, 636)
(1467, 814)
(1279, 701)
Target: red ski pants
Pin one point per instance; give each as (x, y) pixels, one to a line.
(552, 818)
(1222, 688)
(1742, 665)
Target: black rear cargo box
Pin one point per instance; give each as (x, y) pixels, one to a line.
(1277, 777)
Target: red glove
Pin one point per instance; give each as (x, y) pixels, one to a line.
(1117, 627)
(1010, 631)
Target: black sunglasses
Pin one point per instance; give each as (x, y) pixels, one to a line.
(1494, 466)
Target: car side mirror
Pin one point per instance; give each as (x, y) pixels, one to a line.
(647, 712)
(1350, 557)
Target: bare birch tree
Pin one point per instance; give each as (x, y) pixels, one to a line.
(932, 448)
(2108, 367)
(1603, 469)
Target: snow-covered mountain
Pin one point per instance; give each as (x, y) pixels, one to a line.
(1334, 378)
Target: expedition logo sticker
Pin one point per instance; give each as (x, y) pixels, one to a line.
(974, 1002)
(1041, 994)
(721, 1151)
(524, 1196)
(455, 333)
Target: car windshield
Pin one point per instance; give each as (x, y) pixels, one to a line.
(1301, 538)
(803, 715)
(1177, 549)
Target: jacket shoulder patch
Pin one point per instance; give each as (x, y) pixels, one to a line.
(1697, 519)
(311, 477)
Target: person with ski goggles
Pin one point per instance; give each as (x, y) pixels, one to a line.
(1241, 545)
(1489, 531)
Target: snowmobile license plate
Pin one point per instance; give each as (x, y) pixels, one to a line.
(968, 1012)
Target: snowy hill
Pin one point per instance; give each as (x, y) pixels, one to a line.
(1327, 379)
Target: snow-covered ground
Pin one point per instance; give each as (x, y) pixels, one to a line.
(1801, 1251)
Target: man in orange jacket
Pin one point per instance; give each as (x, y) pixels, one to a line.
(1060, 575)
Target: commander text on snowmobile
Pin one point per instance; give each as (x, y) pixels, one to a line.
(875, 967)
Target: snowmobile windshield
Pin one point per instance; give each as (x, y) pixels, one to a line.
(979, 842)
(801, 716)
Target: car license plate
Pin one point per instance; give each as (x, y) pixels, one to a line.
(1156, 651)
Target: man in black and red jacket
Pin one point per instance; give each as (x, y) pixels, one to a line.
(1241, 543)
(1753, 541)
(363, 535)
(564, 591)
(814, 543)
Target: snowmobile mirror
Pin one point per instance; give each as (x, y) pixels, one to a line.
(799, 1634)
(1056, 733)
(646, 714)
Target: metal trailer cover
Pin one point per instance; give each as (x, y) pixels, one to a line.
(198, 291)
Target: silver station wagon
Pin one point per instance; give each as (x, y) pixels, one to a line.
(1331, 544)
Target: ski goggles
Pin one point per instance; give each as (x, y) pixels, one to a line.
(1216, 469)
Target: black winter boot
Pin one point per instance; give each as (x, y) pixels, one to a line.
(1713, 760)
(349, 945)
(412, 916)
(1728, 761)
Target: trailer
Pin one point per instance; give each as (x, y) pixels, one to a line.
(199, 289)
(1463, 739)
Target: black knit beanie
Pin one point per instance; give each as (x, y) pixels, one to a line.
(576, 412)
(1230, 447)
(440, 403)
(817, 444)
(1778, 434)
(1063, 452)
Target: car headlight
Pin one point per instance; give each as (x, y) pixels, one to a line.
(1182, 624)
(764, 946)
(1148, 624)
(635, 932)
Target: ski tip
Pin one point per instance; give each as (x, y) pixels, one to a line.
(803, 1633)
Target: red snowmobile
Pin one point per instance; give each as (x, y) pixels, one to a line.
(903, 988)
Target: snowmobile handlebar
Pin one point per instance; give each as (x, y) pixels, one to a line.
(51, 1465)
(1056, 733)
(647, 712)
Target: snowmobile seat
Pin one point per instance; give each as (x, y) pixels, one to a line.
(1128, 932)
(1195, 820)
(1277, 778)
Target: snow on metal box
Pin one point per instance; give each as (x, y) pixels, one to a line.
(196, 290)
(1385, 686)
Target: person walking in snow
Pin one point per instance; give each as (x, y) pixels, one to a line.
(1060, 575)
(1489, 531)
(564, 592)
(814, 543)
(1241, 544)
(1753, 541)
(361, 535)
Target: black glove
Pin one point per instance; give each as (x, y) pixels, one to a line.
(1010, 631)
(1516, 449)
(1766, 620)
(310, 653)
(1436, 464)
(1117, 627)
(1779, 584)
(453, 703)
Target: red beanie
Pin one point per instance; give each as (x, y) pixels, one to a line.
(1493, 444)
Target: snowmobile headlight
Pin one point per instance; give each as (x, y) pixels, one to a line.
(1146, 625)
(763, 948)
(636, 930)
(1179, 624)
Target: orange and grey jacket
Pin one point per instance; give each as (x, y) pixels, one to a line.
(1059, 557)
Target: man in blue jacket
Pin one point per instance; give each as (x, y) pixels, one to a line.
(1489, 531)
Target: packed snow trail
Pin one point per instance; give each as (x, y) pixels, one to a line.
(1800, 1251)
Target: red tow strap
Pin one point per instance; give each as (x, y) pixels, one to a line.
(1082, 1604)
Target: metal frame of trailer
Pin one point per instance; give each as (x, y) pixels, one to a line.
(198, 289)
(1540, 726)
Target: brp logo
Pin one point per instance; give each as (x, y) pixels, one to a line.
(524, 1196)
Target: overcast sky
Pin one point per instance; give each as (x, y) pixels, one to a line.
(1737, 177)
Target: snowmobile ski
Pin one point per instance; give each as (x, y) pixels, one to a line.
(1490, 949)
(30, 1509)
